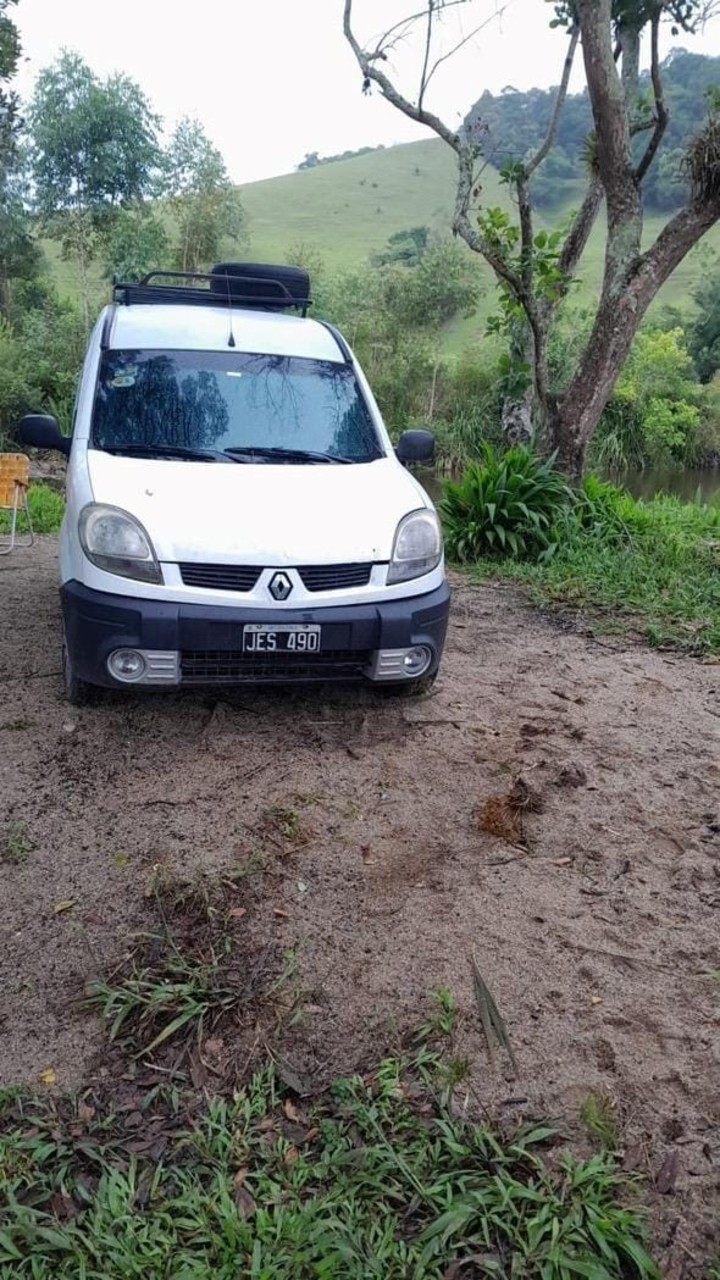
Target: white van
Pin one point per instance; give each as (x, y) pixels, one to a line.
(236, 512)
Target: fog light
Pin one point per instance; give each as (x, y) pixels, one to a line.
(126, 665)
(417, 660)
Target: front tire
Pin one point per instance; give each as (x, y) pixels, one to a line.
(77, 692)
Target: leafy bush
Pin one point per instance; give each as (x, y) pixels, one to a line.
(654, 416)
(508, 504)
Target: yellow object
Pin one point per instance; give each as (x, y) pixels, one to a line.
(14, 484)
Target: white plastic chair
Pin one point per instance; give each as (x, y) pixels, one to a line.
(14, 484)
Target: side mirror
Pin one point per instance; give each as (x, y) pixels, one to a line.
(42, 431)
(416, 446)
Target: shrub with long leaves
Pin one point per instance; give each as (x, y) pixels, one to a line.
(509, 504)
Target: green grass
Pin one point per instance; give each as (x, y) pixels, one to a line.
(348, 210)
(379, 1180)
(186, 976)
(599, 1117)
(659, 578)
(46, 511)
(15, 844)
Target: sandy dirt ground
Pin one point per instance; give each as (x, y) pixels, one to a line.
(596, 927)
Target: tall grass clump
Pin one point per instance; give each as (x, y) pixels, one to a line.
(508, 504)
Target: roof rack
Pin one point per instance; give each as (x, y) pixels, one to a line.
(219, 288)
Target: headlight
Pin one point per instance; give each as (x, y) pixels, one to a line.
(116, 542)
(418, 547)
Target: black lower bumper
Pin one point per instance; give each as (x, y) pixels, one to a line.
(208, 638)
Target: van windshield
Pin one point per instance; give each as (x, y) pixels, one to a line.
(231, 406)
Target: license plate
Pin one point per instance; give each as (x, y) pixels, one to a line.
(283, 638)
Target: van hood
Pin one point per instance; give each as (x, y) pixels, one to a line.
(260, 513)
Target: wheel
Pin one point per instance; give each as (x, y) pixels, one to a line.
(406, 688)
(77, 692)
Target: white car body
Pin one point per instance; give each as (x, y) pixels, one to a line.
(267, 515)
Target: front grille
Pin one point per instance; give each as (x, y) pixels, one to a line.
(211, 666)
(334, 577)
(220, 577)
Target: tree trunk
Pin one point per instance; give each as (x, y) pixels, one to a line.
(622, 308)
(516, 422)
(82, 266)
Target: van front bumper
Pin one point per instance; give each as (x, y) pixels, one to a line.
(184, 644)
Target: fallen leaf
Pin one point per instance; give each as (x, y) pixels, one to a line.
(48, 1076)
(596, 999)
(66, 904)
(62, 1205)
(562, 862)
(243, 1199)
(237, 913)
(291, 1155)
(280, 911)
(290, 1078)
(85, 1113)
(667, 1174)
(311, 1135)
(121, 860)
(290, 1110)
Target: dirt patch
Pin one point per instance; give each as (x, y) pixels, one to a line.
(597, 933)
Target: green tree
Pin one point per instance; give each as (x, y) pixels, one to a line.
(93, 151)
(534, 270)
(137, 243)
(9, 57)
(704, 332)
(19, 255)
(207, 206)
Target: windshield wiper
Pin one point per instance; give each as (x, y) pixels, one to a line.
(166, 451)
(246, 453)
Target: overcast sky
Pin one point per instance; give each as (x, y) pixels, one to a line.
(273, 79)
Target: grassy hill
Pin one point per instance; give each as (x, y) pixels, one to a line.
(348, 209)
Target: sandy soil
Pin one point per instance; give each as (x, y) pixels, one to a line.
(598, 935)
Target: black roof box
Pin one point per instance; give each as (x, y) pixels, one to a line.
(262, 282)
(243, 284)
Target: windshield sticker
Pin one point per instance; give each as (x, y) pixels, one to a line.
(123, 380)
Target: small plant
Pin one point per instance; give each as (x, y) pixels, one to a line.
(15, 844)
(507, 505)
(442, 1021)
(184, 979)
(599, 1117)
(283, 823)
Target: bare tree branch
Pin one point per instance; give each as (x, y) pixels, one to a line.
(662, 115)
(463, 148)
(675, 240)
(579, 233)
(399, 29)
(426, 59)
(461, 43)
(371, 72)
(607, 98)
(562, 93)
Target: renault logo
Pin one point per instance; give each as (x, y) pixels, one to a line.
(280, 586)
